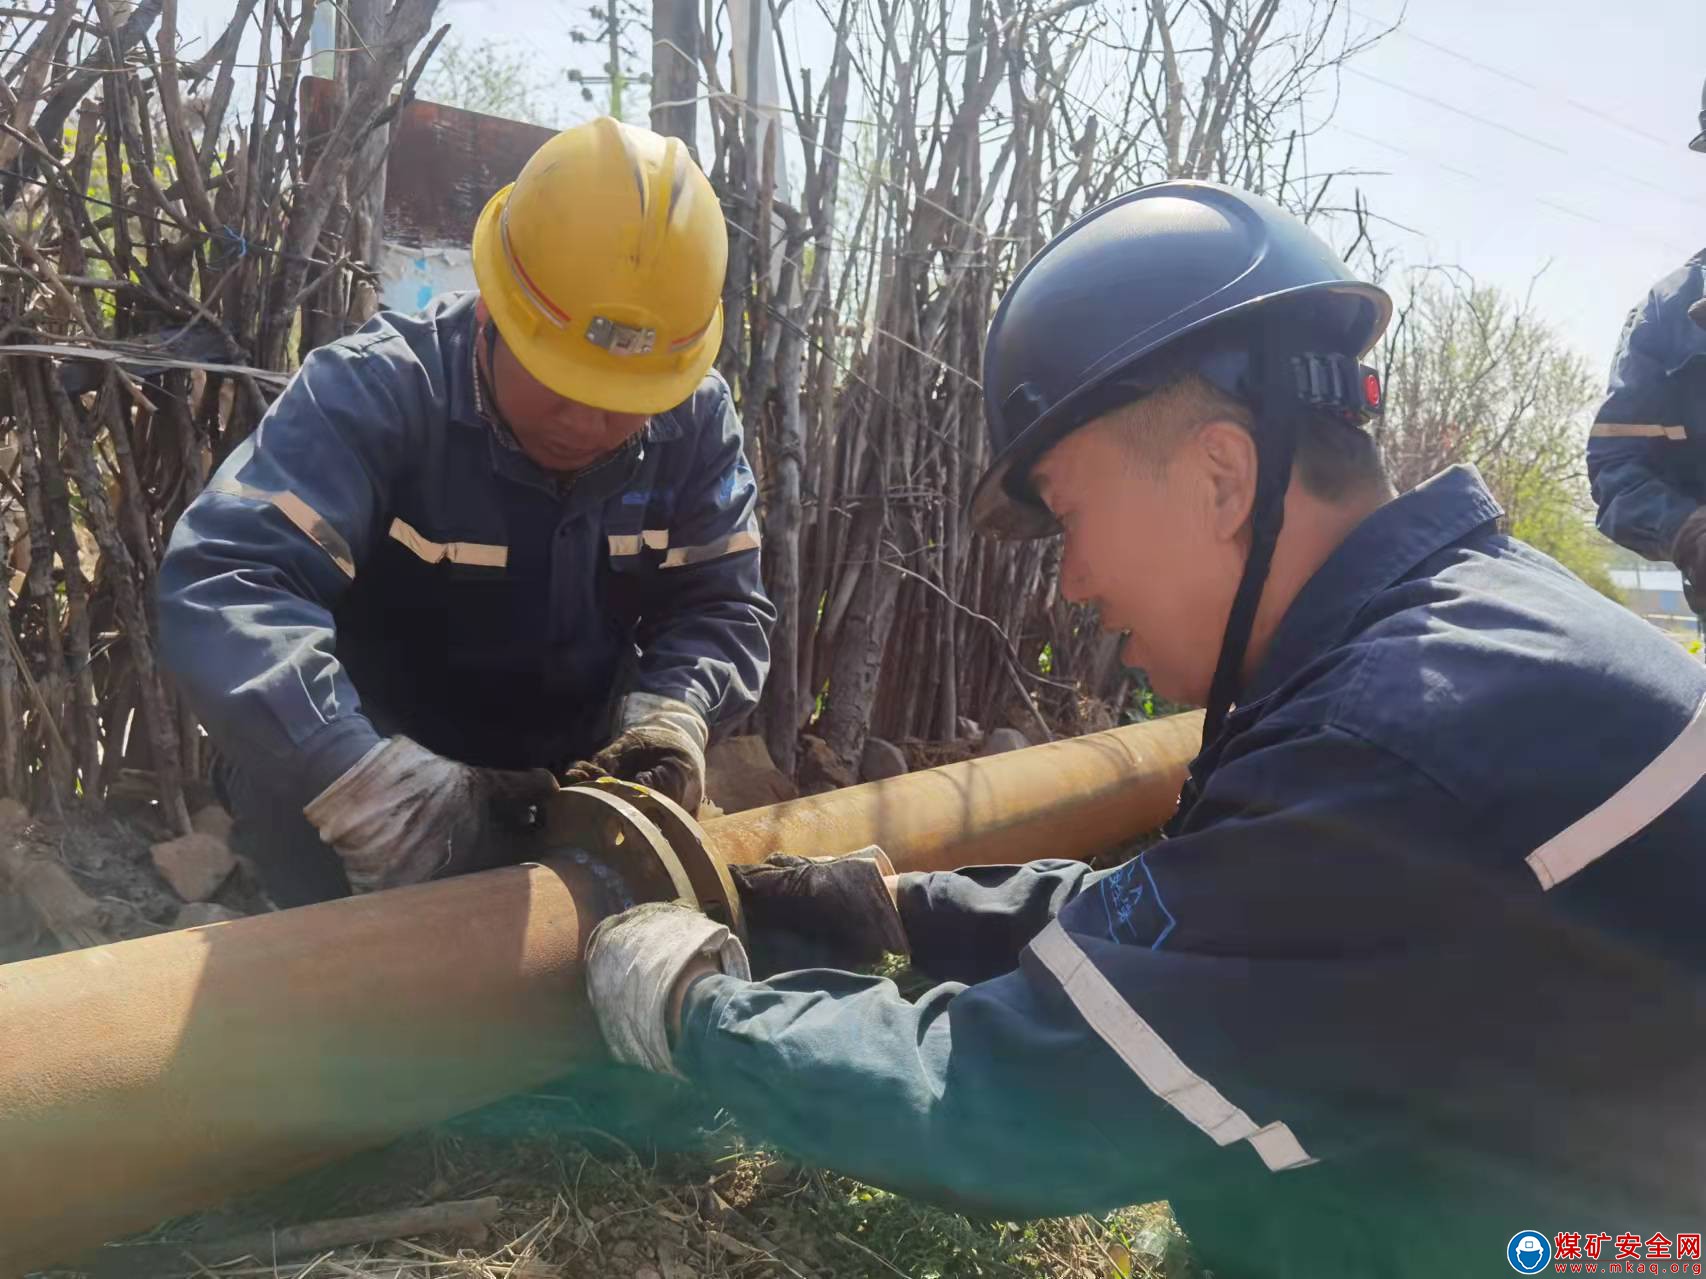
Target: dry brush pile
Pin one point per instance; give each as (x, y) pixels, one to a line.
(171, 243)
(173, 247)
(938, 146)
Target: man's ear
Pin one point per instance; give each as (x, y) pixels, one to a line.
(1227, 455)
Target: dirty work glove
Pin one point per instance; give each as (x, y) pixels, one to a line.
(403, 815)
(634, 962)
(1697, 313)
(661, 746)
(1689, 551)
(826, 912)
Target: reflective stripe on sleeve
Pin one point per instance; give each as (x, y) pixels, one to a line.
(1674, 772)
(683, 556)
(1152, 1061)
(474, 553)
(1636, 430)
(656, 539)
(299, 513)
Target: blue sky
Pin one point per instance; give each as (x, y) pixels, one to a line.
(1535, 145)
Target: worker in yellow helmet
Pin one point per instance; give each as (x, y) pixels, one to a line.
(472, 552)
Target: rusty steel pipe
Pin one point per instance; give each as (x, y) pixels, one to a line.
(150, 1078)
(1073, 798)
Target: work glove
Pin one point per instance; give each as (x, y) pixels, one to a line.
(635, 961)
(1688, 553)
(403, 815)
(1697, 313)
(827, 912)
(661, 746)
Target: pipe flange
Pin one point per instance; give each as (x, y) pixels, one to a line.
(713, 886)
(622, 847)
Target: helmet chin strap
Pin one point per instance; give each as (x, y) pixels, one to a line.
(1276, 441)
(487, 375)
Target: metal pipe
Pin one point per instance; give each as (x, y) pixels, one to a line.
(150, 1078)
(1072, 798)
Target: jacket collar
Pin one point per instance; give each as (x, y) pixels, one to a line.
(1382, 549)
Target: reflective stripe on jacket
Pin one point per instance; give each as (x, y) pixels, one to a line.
(1647, 447)
(377, 558)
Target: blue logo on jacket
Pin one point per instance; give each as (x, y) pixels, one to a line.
(1129, 905)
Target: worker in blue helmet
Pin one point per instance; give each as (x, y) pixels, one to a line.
(1369, 1009)
(1647, 448)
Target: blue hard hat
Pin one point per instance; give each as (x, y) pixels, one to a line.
(1177, 276)
(1125, 284)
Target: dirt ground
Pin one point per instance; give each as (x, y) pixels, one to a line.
(658, 1188)
(108, 859)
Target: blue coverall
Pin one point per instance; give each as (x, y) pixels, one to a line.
(1647, 448)
(1419, 966)
(380, 558)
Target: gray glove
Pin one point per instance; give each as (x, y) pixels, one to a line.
(661, 746)
(634, 961)
(403, 815)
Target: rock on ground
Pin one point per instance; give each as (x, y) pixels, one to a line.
(213, 820)
(195, 865)
(739, 775)
(1002, 740)
(821, 769)
(881, 760)
(196, 914)
(19, 926)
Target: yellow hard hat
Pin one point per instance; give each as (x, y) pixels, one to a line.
(602, 265)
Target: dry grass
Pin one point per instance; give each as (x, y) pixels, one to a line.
(669, 1197)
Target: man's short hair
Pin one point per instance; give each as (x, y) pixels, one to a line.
(1332, 461)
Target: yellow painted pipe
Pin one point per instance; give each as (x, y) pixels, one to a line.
(149, 1078)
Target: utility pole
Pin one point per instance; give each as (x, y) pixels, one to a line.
(675, 69)
(613, 74)
(615, 67)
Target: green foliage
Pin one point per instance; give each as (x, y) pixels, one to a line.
(1146, 704)
(488, 76)
(1473, 375)
(1552, 520)
(98, 191)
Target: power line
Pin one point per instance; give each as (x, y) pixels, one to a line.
(1455, 110)
(1529, 138)
(1468, 175)
(1486, 121)
(1573, 103)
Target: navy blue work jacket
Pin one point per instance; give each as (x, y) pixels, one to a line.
(379, 558)
(1647, 448)
(1420, 965)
